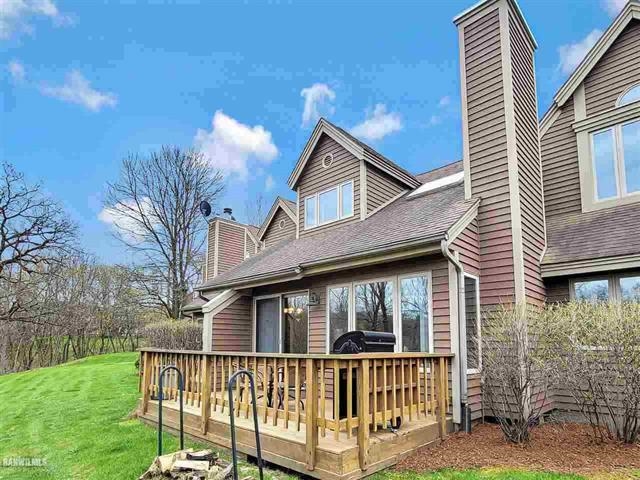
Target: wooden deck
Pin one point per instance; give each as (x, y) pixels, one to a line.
(413, 388)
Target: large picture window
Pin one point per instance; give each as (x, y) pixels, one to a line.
(591, 290)
(616, 160)
(398, 304)
(414, 312)
(374, 306)
(621, 287)
(338, 316)
(329, 206)
(630, 288)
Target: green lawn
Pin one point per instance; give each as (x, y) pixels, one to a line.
(75, 416)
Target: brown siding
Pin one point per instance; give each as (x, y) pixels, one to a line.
(468, 248)
(557, 289)
(316, 178)
(488, 156)
(528, 160)
(274, 233)
(617, 70)
(380, 188)
(232, 327)
(250, 246)
(560, 172)
(318, 284)
(230, 246)
(211, 253)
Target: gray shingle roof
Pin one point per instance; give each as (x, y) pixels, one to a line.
(423, 218)
(440, 172)
(584, 236)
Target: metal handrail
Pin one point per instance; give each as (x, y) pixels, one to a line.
(234, 451)
(160, 397)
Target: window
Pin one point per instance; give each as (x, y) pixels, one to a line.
(330, 205)
(591, 290)
(414, 314)
(374, 306)
(630, 289)
(295, 323)
(310, 212)
(472, 319)
(616, 160)
(630, 96)
(338, 321)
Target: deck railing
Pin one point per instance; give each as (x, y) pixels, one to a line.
(329, 395)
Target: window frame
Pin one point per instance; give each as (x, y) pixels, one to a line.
(396, 301)
(473, 371)
(316, 197)
(625, 93)
(618, 278)
(611, 285)
(280, 296)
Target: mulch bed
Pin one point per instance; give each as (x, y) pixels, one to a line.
(559, 448)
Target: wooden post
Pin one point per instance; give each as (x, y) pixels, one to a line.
(205, 403)
(442, 396)
(145, 358)
(311, 413)
(363, 414)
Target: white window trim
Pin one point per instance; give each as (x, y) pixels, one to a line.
(280, 297)
(624, 93)
(340, 216)
(396, 301)
(473, 371)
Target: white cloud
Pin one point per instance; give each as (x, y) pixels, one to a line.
(434, 120)
(77, 89)
(269, 183)
(444, 101)
(16, 70)
(317, 102)
(126, 218)
(572, 54)
(378, 124)
(613, 7)
(15, 15)
(231, 145)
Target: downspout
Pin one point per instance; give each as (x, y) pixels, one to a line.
(462, 334)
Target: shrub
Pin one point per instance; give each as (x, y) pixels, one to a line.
(174, 334)
(599, 363)
(516, 371)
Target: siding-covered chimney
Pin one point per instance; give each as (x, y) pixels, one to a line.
(501, 149)
(228, 244)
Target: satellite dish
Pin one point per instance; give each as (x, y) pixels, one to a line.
(205, 208)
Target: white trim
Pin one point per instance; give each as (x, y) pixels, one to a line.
(330, 156)
(396, 285)
(216, 249)
(363, 190)
(339, 212)
(278, 203)
(439, 183)
(466, 157)
(298, 212)
(210, 310)
(624, 93)
(473, 371)
(206, 258)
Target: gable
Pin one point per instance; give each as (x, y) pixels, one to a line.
(280, 227)
(615, 72)
(316, 177)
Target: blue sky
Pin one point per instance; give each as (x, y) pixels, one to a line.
(84, 83)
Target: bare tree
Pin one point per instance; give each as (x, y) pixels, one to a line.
(255, 210)
(154, 206)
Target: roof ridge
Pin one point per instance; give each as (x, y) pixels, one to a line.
(437, 168)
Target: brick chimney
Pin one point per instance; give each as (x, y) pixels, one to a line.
(501, 149)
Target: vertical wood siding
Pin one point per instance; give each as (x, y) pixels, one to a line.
(230, 246)
(315, 178)
(528, 160)
(380, 188)
(274, 233)
(211, 253)
(232, 327)
(617, 70)
(560, 172)
(488, 156)
(318, 313)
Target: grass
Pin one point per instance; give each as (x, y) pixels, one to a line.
(76, 417)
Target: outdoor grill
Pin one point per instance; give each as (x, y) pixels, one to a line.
(358, 341)
(361, 341)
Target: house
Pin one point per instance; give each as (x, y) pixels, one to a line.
(536, 211)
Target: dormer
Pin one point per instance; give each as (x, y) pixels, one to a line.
(591, 134)
(280, 224)
(339, 179)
